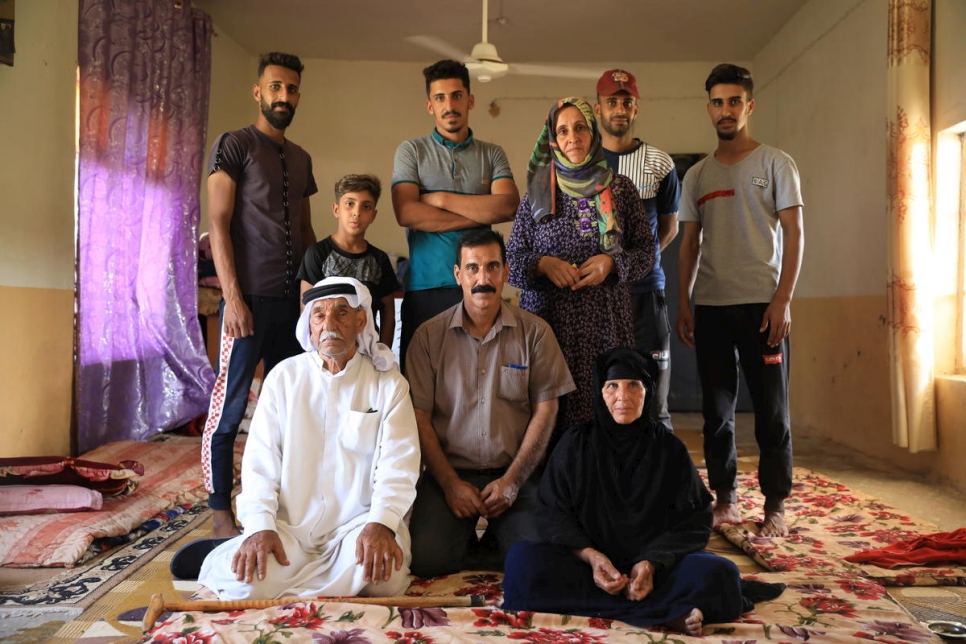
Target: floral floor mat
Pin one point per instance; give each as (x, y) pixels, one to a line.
(834, 606)
(827, 522)
(815, 607)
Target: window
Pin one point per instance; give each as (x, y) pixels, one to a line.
(950, 251)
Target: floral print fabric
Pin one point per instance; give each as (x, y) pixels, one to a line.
(827, 522)
(815, 607)
(826, 600)
(592, 319)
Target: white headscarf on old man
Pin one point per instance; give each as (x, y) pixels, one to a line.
(357, 295)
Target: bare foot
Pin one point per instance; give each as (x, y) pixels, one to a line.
(689, 624)
(223, 524)
(725, 513)
(774, 525)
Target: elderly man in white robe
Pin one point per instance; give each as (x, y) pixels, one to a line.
(330, 465)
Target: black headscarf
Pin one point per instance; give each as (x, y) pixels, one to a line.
(622, 364)
(630, 491)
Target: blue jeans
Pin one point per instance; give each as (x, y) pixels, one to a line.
(274, 320)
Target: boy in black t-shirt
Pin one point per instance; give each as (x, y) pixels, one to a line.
(346, 253)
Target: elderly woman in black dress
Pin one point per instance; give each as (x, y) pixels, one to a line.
(624, 520)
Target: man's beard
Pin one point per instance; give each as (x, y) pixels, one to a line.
(614, 131)
(452, 128)
(279, 121)
(727, 136)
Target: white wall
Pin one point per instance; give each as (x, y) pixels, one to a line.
(949, 54)
(820, 95)
(37, 135)
(822, 98)
(37, 219)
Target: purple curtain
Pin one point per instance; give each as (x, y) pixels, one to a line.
(145, 67)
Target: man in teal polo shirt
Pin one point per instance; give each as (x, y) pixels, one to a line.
(443, 184)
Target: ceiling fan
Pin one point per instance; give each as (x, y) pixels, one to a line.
(485, 64)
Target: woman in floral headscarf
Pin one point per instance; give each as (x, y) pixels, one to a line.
(580, 238)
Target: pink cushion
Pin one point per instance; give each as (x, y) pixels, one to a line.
(36, 499)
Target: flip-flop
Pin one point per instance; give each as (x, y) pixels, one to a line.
(186, 563)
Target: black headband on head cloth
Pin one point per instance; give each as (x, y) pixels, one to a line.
(327, 289)
(623, 371)
(625, 363)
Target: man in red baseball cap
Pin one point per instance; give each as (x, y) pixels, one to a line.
(652, 171)
(617, 81)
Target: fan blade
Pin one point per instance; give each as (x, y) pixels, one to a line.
(551, 70)
(439, 46)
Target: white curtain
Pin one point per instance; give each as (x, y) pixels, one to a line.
(909, 221)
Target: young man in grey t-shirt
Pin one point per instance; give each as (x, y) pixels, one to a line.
(742, 214)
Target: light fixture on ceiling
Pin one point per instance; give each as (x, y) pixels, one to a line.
(501, 20)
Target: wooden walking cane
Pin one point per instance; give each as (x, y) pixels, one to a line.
(158, 604)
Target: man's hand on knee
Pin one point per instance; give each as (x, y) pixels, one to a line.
(377, 552)
(252, 556)
(498, 496)
(463, 498)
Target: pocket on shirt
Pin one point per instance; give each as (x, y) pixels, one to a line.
(360, 431)
(514, 384)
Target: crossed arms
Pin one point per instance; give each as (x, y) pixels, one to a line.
(438, 212)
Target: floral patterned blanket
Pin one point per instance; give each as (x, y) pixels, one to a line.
(827, 522)
(817, 607)
(826, 600)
